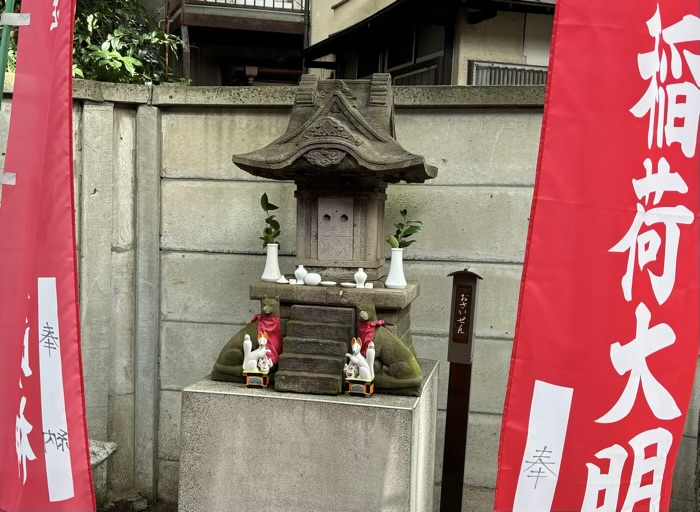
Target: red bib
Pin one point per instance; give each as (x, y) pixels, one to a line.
(365, 331)
(270, 324)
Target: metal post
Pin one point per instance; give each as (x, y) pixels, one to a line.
(459, 354)
(5, 46)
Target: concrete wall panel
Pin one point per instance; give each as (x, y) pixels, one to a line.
(201, 146)
(479, 224)
(225, 216)
(188, 351)
(211, 288)
(473, 147)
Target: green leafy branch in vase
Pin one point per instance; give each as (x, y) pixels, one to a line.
(272, 230)
(404, 230)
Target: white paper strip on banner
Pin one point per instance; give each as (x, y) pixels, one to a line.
(546, 433)
(59, 472)
(15, 19)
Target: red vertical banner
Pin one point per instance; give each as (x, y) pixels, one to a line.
(606, 342)
(43, 433)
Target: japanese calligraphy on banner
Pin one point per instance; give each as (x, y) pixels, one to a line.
(43, 433)
(606, 344)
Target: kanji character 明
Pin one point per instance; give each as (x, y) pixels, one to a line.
(609, 484)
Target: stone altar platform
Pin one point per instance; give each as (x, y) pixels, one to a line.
(266, 451)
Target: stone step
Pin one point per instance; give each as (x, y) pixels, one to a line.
(316, 330)
(323, 314)
(311, 364)
(315, 347)
(302, 382)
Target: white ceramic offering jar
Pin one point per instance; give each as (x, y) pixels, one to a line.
(300, 274)
(312, 279)
(360, 278)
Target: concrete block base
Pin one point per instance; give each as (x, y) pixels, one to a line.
(249, 449)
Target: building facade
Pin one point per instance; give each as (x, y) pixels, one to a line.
(449, 42)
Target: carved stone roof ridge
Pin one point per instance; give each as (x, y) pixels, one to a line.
(339, 128)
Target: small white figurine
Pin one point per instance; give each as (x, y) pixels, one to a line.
(251, 357)
(265, 364)
(363, 367)
(350, 371)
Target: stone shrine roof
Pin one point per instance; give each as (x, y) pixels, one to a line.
(342, 129)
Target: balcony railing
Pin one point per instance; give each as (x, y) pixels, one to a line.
(280, 16)
(496, 73)
(270, 5)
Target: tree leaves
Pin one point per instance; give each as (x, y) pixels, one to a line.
(272, 230)
(404, 230)
(118, 41)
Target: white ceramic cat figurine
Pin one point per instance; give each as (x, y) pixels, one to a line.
(365, 366)
(250, 356)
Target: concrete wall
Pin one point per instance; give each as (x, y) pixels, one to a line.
(168, 245)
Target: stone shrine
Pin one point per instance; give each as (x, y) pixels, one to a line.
(259, 449)
(340, 150)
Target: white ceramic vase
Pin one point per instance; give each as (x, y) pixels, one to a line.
(272, 267)
(396, 279)
(360, 278)
(300, 274)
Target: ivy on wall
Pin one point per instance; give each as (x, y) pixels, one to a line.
(117, 41)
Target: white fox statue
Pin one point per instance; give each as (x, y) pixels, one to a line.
(364, 366)
(252, 357)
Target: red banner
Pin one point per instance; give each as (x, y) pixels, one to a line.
(43, 435)
(607, 338)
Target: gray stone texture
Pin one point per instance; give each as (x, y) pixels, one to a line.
(313, 348)
(383, 298)
(329, 460)
(330, 314)
(239, 222)
(148, 166)
(501, 214)
(325, 331)
(328, 348)
(189, 350)
(120, 429)
(96, 261)
(100, 452)
(226, 132)
(471, 148)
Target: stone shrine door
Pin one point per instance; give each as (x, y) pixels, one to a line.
(335, 228)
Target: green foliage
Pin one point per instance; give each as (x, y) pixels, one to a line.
(272, 230)
(11, 60)
(117, 41)
(404, 230)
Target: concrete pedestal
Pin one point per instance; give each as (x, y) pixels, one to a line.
(264, 451)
